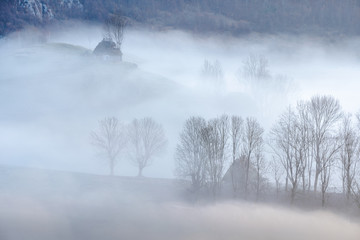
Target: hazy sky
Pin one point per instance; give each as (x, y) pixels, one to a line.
(52, 96)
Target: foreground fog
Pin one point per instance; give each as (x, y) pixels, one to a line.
(43, 204)
(53, 95)
(105, 219)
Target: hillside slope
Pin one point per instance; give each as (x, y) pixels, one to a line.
(40, 204)
(53, 186)
(319, 17)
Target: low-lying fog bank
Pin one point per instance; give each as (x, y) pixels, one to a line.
(101, 218)
(41, 204)
(53, 95)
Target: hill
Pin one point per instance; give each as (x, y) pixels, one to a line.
(47, 204)
(56, 186)
(320, 17)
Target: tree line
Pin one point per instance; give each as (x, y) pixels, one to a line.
(312, 145)
(309, 146)
(236, 17)
(206, 146)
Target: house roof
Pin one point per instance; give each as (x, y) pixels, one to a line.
(107, 47)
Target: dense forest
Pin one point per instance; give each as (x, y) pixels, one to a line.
(321, 17)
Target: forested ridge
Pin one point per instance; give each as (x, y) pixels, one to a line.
(321, 17)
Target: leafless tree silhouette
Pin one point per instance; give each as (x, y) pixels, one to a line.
(109, 139)
(146, 141)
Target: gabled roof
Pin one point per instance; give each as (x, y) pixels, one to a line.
(107, 47)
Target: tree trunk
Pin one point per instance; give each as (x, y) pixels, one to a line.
(309, 182)
(317, 173)
(258, 186)
(140, 172)
(247, 177)
(304, 181)
(348, 188)
(112, 167)
(292, 196)
(234, 180)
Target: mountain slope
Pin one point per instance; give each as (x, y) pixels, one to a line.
(235, 17)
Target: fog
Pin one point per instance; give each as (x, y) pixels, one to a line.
(43, 204)
(53, 95)
(103, 218)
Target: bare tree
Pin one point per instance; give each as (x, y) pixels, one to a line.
(278, 172)
(255, 67)
(252, 139)
(109, 139)
(146, 141)
(114, 28)
(329, 152)
(212, 70)
(236, 133)
(325, 111)
(284, 143)
(303, 143)
(201, 153)
(215, 137)
(305, 136)
(190, 156)
(306, 132)
(260, 168)
(355, 190)
(349, 154)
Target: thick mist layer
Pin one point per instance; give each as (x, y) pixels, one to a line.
(43, 204)
(103, 219)
(53, 94)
